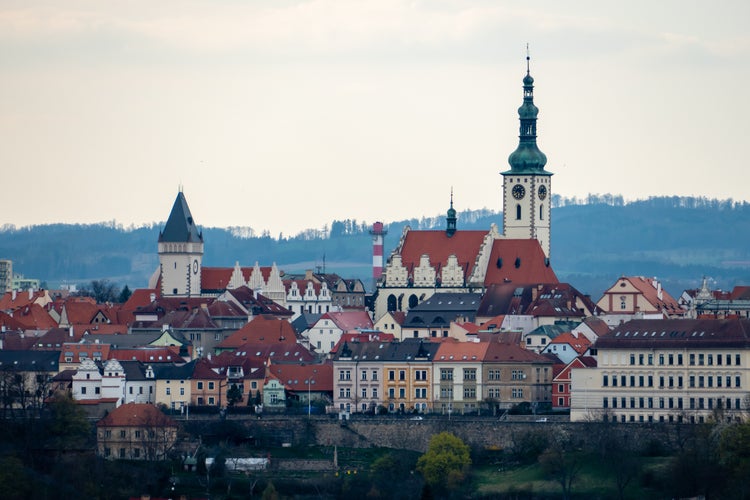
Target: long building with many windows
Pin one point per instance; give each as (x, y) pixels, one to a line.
(666, 371)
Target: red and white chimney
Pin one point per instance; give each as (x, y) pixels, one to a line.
(378, 233)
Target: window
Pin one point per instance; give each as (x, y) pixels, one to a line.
(374, 392)
(470, 393)
(137, 433)
(494, 375)
(374, 375)
(632, 360)
(493, 393)
(182, 391)
(364, 392)
(122, 450)
(210, 386)
(517, 375)
(200, 386)
(401, 393)
(420, 393)
(561, 388)
(640, 359)
(391, 375)
(363, 375)
(661, 359)
(605, 380)
(692, 380)
(391, 392)
(679, 359)
(701, 359)
(211, 401)
(402, 375)
(169, 391)
(650, 380)
(470, 374)
(345, 374)
(710, 359)
(518, 212)
(122, 433)
(692, 359)
(83, 390)
(737, 381)
(420, 375)
(671, 359)
(446, 374)
(517, 393)
(737, 360)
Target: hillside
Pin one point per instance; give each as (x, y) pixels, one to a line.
(594, 241)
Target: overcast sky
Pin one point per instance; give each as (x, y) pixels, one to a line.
(285, 115)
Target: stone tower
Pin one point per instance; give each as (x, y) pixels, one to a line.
(180, 253)
(527, 187)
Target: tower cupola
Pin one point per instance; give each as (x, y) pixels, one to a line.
(450, 219)
(527, 158)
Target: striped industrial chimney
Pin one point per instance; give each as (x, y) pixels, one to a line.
(378, 233)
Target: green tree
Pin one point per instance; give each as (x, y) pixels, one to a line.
(124, 295)
(234, 395)
(446, 463)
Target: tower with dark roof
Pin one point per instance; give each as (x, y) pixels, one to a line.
(180, 252)
(527, 188)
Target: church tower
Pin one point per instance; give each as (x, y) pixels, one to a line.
(527, 189)
(180, 253)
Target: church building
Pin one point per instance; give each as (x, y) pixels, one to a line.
(426, 262)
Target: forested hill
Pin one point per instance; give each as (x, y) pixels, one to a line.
(594, 241)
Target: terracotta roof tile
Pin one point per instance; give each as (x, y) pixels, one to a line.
(518, 261)
(135, 415)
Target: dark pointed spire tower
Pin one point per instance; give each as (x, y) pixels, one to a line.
(527, 185)
(180, 252)
(450, 219)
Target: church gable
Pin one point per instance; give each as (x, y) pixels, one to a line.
(518, 261)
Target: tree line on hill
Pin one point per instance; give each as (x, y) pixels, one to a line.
(594, 241)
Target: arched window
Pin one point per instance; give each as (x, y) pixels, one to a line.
(541, 212)
(518, 212)
(392, 303)
(413, 301)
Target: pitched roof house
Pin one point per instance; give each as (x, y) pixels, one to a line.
(136, 431)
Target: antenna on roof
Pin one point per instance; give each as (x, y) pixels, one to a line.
(528, 57)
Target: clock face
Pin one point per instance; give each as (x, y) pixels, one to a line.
(542, 192)
(519, 191)
(195, 266)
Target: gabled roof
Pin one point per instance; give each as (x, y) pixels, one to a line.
(512, 353)
(180, 227)
(461, 352)
(257, 303)
(652, 292)
(439, 246)
(34, 317)
(356, 337)
(75, 350)
(260, 330)
(597, 325)
(205, 370)
(518, 261)
(580, 344)
(562, 372)
(10, 301)
(295, 376)
(552, 331)
(349, 320)
(136, 415)
(740, 293)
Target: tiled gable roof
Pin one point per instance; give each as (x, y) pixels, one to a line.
(261, 329)
(439, 246)
(280, 352)
(580, 344)
(461, 352)
(518, 261)
(408, 350)
(168, 354)
(136, 415)
(295, 376)
(34, 317)
(78, 352)
(356, 337)
(349, 320)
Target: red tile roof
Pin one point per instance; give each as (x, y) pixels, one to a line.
(167, 354)
(580, 344)
(136, 415)
(518, 261)
(34, 317)
(511, 353)
(262, 329)
(461, 352)
(295, 376)
(349, 320)
(439, 246)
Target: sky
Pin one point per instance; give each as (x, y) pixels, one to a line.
(285, 115)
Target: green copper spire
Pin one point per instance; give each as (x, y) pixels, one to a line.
(450, 230)
(527, 159)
